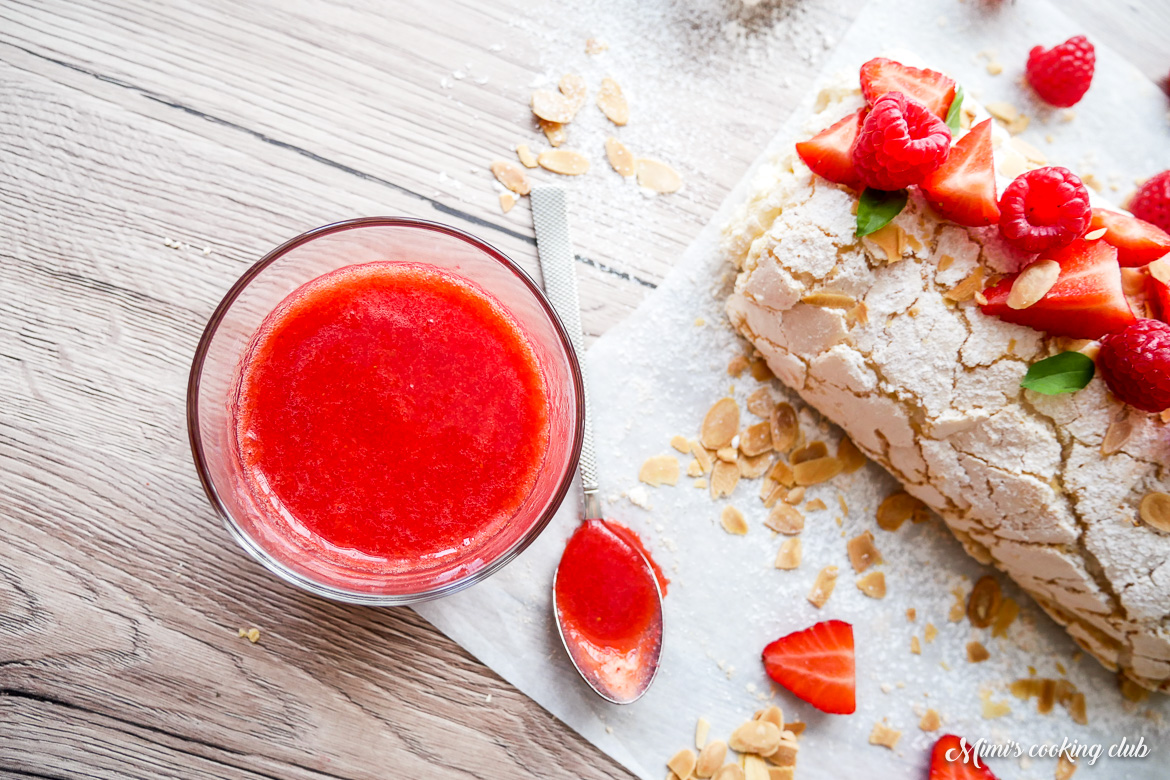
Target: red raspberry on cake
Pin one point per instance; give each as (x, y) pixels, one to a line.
(1135, 364)
(900, 142)
(1062, 75)
(1152, 201)
(1044, 209)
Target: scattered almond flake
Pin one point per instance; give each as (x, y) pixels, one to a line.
(720, 424)
(862, 552)
(754, 768)
(891, 239)
(992, 709)
(507, 201)
(959, 607)
(930, 721)
(873, 585)
(756, 439)
(795, 496)
(694, 469)
(770, 492)
(659, 470)
(785, 427)
(884, 735)
(755, 736)
(702, 729)
(812, 451)
(816, 505)
(1091, 181)
(785, 755)
(785, 519)
(994, 68)
(760, 404)
(729, 772)
(727, 454)
(851, 458)
(966, 289)
(724, 478)
(929, 633)
(899, 507)
(710, 758)
(733, 521)
(612, 102)
(1008, 611)
(552, 107)
(842, 504)
(781, 472)
(680, 443)
(830, 300)
(701, 456)
(977, 653)
(1033, 283)
(754, 466)
(563, 161)
(683, 763)
(781, 772)
(620, 157)
(915, 647)
(554, 131)
(822, 588)
(1019, 125)
(759, 370)
(814, 472)
(1005, 112)
(573, 88)
(527, 158)
(657, 176)
(911, 614)
(1155, 511)
(1131, 691)
(737, 365)
(701, 484)
(251, 634)
(773, 715)
(984, 601)
(945, 262)
(1065, 767)
(1093, 236)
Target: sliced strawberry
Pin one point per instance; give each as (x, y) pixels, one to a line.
(931, 88)
(817, 665)
(829, 152)
(1086, 302)
(950, 761)
(1138, 242)
(963, 189)
(1158, 297)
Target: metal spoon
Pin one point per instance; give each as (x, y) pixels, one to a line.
(550, 216)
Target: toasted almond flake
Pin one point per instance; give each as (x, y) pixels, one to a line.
(851, 458)
(527, 158)
(930, 721)
(620, 157)
(680, 443)
(785, 519)
(773, 715)
(899, 507)
(781, 772)
(862, 552)
(993, 709)
(1117, 434)
(841, 503)
(911, 614)
(756, 439)
(730, 772)
(737, 365)
(858, 314)
(1131, 691)
(823, 586)
(711, 758)
(724, 478)
(884, 735)
(573, 88)
(507, 201)
(702, 456)
(1008, 611)
(977, 653)
(770, 492)
(814, 472)
(1065, 767)
(760, 404)
(1033, 283)
(785, 754)
(511, 177)
(830, 300)
(1155, 510)
(683, 763)
(702, 729)
(659, 470)
(701, 484)
(1094, 235)
(554, 131)
(929, 633)
(979, 298)
(812, 451)
(612, 102)
(785, 427)
(966, 289)
(891, 239)
(873, 585)
(563, 161)
(754, 768)
(552, 107)
(795, 496)
(781, 472)
(657, 175)
(720, 424)
(754, 466)
(984, 601)
(694, 469)
(816, 505)
(1004, 112)
(1019, 125)
(733, 521)
(759, 370)
(945, 262)
(994, 68)
(915, 647)
(755, 736)
(727, 454)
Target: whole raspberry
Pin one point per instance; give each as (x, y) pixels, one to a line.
(1062, 75)
(1152, 201)
(1135, 364)
(900, 142)
(1044, 209)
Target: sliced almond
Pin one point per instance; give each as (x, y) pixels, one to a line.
(851, 458)
(527, 158)
(733, 521)
(814, 472)
(929, 633)
(1005, 112)
(977, 653)
(795, 496)
(884, 735)
(760, 404)
(754, 467)
(720, 424)
(552, 107)
(724, 478)
(915, 647)
(702, 456)
(785, 427)
(730, 772)
(694, 469)
(830, 300)
(1008, 611)
(512, 177)
(930, 721)
(966, 289)
(786, 752)
(785, 519)
(620, 157)
(812, 451)
(659, 470)
(873, 585)
(680, 443)
(899, 507)
(563, 161)
(1160, 269)
(773, 715)
(754, 768)
(862, 552)
(507, 201)
(683, 763)
(759, 370)
(1095, 234)
(781, 772)
(1033, 283)
(711, 758)
(1155, 511)
(816, 505)
(782, 473)
(554, 131)
(702, 729)
(657, 175)
(858, 314)
(823, 586)
(701, 484)
(573, 88)
(891, 239)
(727, 454)
(737, 365)
(756, 736)
(1065, 767)
(756, 439)
(984, 601)
(1117, 434)
(612, 102)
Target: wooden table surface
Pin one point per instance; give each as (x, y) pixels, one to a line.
(234, 126)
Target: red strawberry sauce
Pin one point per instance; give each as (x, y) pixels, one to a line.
(391, 415)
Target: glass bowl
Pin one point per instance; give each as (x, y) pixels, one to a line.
(222, 352)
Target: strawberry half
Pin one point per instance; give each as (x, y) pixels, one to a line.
(1086, 302)
(930, 88)
(816, 664)
(830, 152)
(944, 768)
(963, 189)
(1138, 242)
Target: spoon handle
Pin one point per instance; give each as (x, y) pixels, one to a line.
(550, 215)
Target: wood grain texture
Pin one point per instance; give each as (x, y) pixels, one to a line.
(234, 126)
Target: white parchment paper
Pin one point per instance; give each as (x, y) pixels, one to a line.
(655, 375)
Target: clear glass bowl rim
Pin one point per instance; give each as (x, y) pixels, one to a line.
(329, 591)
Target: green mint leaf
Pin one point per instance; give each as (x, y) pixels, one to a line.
(953, 112)
(877, 208)
(1063, 373)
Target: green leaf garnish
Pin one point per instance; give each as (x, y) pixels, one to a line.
(877, 208)
(953, 111)
(1063, 373)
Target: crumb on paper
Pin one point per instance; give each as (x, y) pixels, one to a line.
(884, 736)
(930, 721)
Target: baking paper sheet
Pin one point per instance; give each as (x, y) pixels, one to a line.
(655, 375)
